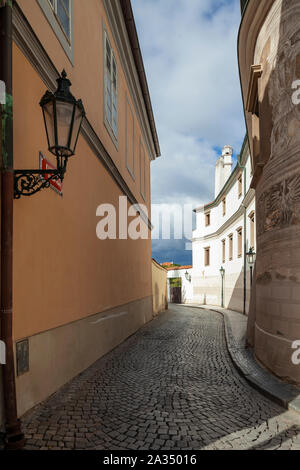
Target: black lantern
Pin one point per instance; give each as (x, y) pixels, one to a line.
(251, 257)
(222, 272)
(63, 116)
(188, 277)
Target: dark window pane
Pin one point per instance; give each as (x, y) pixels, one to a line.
(108, 64)
(66, 5)
(108, 49)
(63, 18)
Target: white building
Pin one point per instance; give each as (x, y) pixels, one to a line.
(225, 231)
(184, 273)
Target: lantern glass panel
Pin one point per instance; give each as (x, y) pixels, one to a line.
(64, 112)
(49, 123)
(76, 128)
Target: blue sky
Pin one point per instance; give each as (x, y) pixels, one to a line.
(190, 55)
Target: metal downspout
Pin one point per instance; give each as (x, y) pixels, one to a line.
(14, 438)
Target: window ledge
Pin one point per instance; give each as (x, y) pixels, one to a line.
(111, 134)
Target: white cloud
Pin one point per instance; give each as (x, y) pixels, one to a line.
(190, 54)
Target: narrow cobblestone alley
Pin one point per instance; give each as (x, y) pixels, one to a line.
(170, 386)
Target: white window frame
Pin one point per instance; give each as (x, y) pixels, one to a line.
(208, 218)
(223, 250)
(52, 18)
(240, 234)
(54, 8)
(130, 169)
(230, 246)
(108, 120)
(207, 256)
(142, 177)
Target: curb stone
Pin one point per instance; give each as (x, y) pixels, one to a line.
(266, 383)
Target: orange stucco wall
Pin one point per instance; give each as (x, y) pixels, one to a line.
(86, 75)
(62, 271)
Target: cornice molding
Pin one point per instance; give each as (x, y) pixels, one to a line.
(118, 29)
(29, 44)
(253, 18)
(255, 75)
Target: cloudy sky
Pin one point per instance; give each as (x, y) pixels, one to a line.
(190, 55)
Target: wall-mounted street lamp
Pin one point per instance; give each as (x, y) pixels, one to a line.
(251, 258)
(63, 116)
(222, 272)
(188, 277)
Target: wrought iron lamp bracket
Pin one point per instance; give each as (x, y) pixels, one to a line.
(29, 182)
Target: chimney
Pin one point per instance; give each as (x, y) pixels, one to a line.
(223, 168)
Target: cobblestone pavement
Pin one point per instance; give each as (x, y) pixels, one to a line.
(171, 386)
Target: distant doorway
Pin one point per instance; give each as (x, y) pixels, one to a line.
(175, 290)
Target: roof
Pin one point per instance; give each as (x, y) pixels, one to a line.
(158, 265)
(179, 268)
(138, 59)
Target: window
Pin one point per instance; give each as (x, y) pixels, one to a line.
(207, 219)
(240, 186)
(223, 251)
(230, 247)
(62, 10)
(224, 205)
(252, 229)
(206, 256)
(130, 157)
(111, 100)
(240, 242)
(142, 170)
(252, 106)
(59, 14)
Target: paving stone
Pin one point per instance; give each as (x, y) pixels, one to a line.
(172, 385)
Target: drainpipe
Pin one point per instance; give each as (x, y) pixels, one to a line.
(14, 438)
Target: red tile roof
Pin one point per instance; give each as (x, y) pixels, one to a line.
(178, 268)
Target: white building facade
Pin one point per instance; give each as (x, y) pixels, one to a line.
(225, 232)
(185, 275)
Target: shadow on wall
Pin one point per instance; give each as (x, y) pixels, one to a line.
(159, 288)
(156, 298)
(235, 299)
(160, 300)
(210, 291)
(183, 295)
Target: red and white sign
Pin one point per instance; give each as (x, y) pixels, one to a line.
(46, 165)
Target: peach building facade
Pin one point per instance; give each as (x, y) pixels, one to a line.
(77, 297)
(269, 60)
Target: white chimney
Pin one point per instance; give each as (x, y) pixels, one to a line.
(223, 168)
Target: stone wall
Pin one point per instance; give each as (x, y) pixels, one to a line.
(159, 288)
(277, 307)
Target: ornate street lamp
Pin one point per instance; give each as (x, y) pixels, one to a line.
(251, 258)
(188, 277)
(222, 272)
(63, 116)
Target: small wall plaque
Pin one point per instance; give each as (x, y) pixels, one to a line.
(22, 352)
